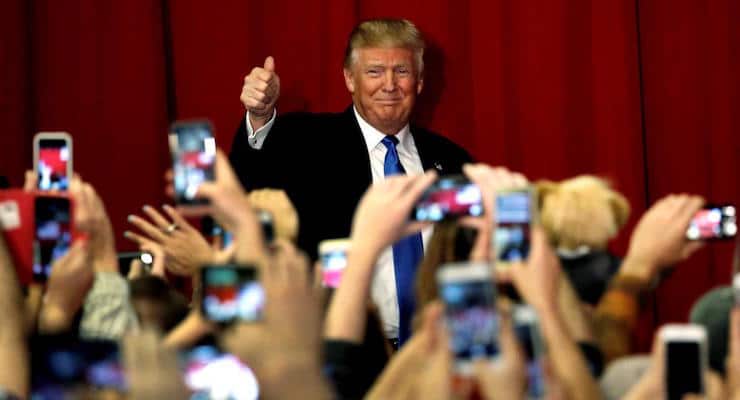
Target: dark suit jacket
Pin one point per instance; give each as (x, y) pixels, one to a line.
(322, 163)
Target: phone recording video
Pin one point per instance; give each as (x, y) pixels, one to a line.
(63, 367)
(528, 332)
(53, 234)
(231, 293)
(468, 293)
(685, 359)
(713, 222)
(213, 374)
(52, 160)
(194, 153)
(449, 197)
(514, 218)
(333, 256)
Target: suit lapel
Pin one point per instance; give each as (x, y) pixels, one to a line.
(427, 151)
(356, 147)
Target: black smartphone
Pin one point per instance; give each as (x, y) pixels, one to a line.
(527, 331)
(515, 214)
(52, 159)
(469, 295)
(52, 234)
(193, 149)
(63, 366)
(125, 259)
(231, 293)
(713, 222)
(449, 197)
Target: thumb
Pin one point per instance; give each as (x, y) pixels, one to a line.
(270, 64)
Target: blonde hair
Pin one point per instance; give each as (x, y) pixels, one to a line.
(386, 32)
(581, 211)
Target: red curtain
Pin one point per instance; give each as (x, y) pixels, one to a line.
(644, 92)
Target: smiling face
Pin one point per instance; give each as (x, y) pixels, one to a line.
(384, 83)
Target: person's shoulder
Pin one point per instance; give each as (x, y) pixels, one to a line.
(438, 142)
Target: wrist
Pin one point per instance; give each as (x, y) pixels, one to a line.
(638, 269)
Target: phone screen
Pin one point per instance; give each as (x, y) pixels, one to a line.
(713, 222)
(53, 235)
(513, 225)
(53, 164)
(333, 264)
(231, 293)
(449, 198)
(212, 374)
(683, 368)
(194, 156)
(471, 319)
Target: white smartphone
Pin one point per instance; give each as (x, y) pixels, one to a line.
(333, 256)
(52, 160)
(685, 359)
(469, 295)
(516, 212)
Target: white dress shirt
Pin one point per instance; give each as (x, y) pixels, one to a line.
(383, 290)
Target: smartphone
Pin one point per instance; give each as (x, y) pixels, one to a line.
(528, 333)
(231, 293)
(449, 197)
(713, 222)
(193, 149)
(125, 260)
(267, 225)
(52, 234)
(685, 359)
(52, 160)
(213, 374)
(333, 256)
(469, 295)
(63, 366)
(515, 214)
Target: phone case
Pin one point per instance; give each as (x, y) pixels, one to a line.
(17, 223)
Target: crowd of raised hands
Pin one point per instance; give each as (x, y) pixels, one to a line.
(288, 349)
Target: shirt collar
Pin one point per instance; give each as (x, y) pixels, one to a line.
(373, 136)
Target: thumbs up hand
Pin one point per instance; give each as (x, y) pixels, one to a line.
(260, 92)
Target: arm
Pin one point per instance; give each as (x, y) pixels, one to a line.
(13, 349)
(657, 243)
(538, 282)
(389, 201)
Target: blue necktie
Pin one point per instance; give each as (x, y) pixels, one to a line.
(407, 252)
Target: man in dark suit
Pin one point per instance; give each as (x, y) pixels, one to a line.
(325, 162)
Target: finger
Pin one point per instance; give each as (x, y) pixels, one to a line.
(224, 173)
(270, 64)
(136, 269)
(29, 182)
(136, 238)
(149, 229)
(160, 221)
(417, 187)
(414, 227)
(177, 218)
(690, 248)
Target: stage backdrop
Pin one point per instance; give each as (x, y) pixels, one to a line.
(643, 92)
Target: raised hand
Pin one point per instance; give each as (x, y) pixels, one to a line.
(260, 92)
(659, 239)
(184, 247)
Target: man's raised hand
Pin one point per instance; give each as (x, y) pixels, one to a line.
(260, 93)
